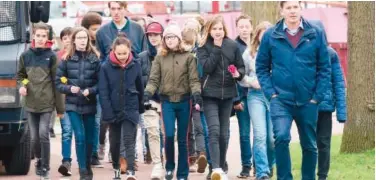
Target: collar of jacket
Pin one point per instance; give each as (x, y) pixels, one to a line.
(279, 32)
(90, 57)
(240, 41)
(125, 26)
(114, 64)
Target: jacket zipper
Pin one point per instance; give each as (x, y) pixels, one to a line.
(206, 80)
(223, 75)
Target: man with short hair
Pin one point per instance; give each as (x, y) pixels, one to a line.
(120, 23)
(293, 69)
(244, 29)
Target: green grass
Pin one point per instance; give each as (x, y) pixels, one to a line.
(359, 166)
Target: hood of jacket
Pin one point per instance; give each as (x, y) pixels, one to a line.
(114, 60)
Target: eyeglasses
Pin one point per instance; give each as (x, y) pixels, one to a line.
(170, 37)
(82, 38)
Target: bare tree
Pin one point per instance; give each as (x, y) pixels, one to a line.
(359, 132)
(261, 11)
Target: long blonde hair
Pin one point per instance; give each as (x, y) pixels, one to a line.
(255, 40)
(209, 25)
(72, 48)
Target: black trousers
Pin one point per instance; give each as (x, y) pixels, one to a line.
(129, 139)
(324, 134)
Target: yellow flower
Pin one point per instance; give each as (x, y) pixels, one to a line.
(64, 80)
(25, 82)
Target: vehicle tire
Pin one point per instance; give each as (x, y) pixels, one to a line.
(34, 12)
(45, 13)
(19, 161)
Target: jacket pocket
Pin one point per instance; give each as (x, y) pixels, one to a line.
(131, 100)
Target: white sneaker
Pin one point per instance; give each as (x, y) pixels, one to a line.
(224, 176)
(158, 172)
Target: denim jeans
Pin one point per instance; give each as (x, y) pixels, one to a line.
(305, 116)
(180, 112)
(217, 114)
(66, 138)
(244, 122)
(97, 128)
(83, 128)
(324, 135)
(39, 124)
(263, 142)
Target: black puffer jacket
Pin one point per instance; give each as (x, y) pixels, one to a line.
(216, 81)
(81, 70)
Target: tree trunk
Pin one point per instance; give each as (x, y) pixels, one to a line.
(359, 132)
(261, 11)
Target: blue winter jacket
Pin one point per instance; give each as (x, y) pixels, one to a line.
(108, 33)
(297, 75)
(335, 96)
(121, 92)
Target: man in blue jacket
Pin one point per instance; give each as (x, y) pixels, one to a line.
(334, 99)
(293, 69)
(108, 32)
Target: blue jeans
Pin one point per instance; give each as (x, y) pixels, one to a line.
(305, 116)
(97, 127)
(244, 122)
(66, 138)
(181, 112)
(263, 147)
(83, 128)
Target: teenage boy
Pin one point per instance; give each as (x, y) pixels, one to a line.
(36, 75)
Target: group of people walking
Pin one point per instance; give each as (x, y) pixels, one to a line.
(186, 82)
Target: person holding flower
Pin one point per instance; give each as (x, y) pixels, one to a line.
(36, 75)
(223, 66)
(78, 78)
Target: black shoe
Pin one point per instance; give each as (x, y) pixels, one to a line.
(117, 174)
(52, 133)
(84, 175)
(169, 175)
(322, 178)
(246, 172)
(65, 169)
(95, 162)
(38, 167)
(225, 168)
